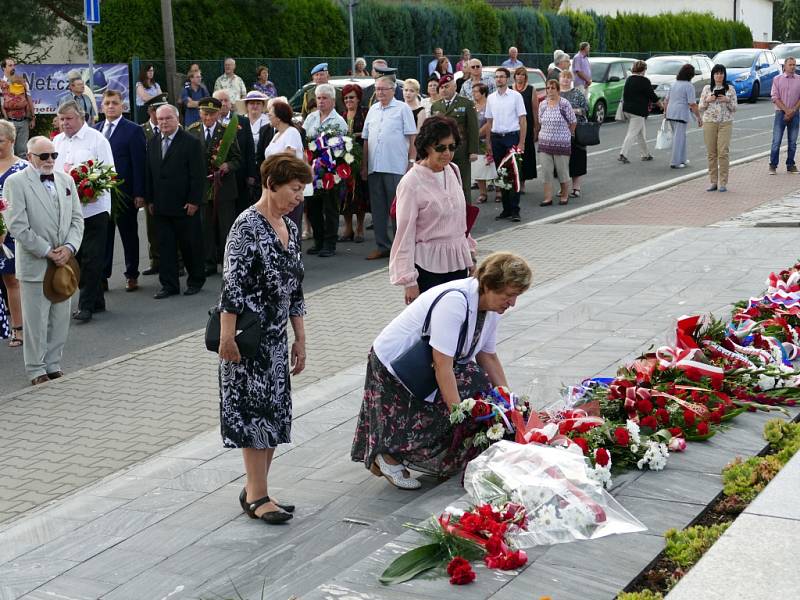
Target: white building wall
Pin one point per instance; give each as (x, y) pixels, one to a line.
(756, 14)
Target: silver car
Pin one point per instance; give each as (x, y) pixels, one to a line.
(662, 71)
(784, 51)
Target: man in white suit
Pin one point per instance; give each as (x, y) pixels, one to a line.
(46, 220)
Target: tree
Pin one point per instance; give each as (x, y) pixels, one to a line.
(34, 23)
(786, 20)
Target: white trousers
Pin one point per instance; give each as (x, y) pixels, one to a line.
(636, 133)
(44, 329)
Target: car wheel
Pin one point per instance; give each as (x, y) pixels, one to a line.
(599, 112)
(755, 92)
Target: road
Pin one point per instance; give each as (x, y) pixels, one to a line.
(135, 321)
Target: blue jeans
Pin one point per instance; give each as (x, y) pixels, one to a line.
(778, 128)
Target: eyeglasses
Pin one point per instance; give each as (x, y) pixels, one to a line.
(383, 89)
(443, 147)
(46, 155)
(475, 67)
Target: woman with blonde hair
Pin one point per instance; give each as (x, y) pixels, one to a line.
(411, 97)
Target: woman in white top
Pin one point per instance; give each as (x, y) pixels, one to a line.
(396, 430)
(287, 139)
(147, 87)
(253, 105)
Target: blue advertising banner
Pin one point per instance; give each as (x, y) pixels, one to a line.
(48, 83)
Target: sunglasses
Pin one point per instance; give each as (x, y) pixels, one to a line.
(443, 147)
(475, 67)
(46, 155)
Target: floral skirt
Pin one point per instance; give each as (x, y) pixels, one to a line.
(417, 433)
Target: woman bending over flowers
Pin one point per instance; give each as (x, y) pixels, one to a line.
(396, 429)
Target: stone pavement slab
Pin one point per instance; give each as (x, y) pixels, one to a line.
(171, 526)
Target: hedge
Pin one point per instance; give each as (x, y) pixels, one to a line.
(291, 28)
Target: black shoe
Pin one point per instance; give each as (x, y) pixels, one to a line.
(502, 215)
(289, 508)
(191, 291)
(150, 271)
(515, 218)
(314, 250)
(326, 253)
(162, 293)
(83, 315)
(275, 517)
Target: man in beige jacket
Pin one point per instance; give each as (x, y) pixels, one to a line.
(46, 220)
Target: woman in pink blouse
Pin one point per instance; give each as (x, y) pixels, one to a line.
(431, 246)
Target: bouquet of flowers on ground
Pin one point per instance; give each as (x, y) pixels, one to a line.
(509, 171)
(92, 179)
(332, 155)
(458, 536)
(487, 418)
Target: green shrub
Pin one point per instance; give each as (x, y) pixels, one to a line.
(784, 437)
(686, 547)
(643, 595)
(746, 478)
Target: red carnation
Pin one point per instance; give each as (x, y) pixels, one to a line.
(508, 561)
(645, 407)
(689, 417)
(622, 436)
(676, 432)
(462, 575)
(565, 427)
(75, 175)
(87, 191)
(601, 457)
(538, 438)
(84, 170)
(344, 171)
(702, 428)
(90, 163)
(716, 416)
(583, 443)
(481, 409)
(662, 415)
(456, 563)
(650, 421)
(661, 402)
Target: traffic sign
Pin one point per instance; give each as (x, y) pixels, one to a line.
(91, 11)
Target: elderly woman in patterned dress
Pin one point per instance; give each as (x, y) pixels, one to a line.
(263, 273)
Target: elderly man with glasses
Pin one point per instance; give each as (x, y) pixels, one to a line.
(389, 132)
(475, 74)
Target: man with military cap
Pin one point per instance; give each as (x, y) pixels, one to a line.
(319, 75)
(462, 111)
(380, 68)
(223, 158)
(150, 131)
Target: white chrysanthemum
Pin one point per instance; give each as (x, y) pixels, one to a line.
(496, 432)
(349, 158)
(546, 517)
(480, 440)
(655, 457)
(312, 146)
(633, 429)
(348, 144)
(468, 404)
(457, 416)
(601, 475)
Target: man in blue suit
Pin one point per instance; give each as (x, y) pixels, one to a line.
(128, 146)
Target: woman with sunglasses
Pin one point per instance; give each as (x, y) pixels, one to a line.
(430, 247)
(356, 201)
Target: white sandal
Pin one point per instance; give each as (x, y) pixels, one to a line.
(397, 475)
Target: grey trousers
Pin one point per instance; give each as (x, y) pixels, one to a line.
(21, 141)
(678, 143)
(382, 189)
(44, 329)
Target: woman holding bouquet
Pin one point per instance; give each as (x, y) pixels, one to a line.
(397, 430)
(356, 201)
(9, 164)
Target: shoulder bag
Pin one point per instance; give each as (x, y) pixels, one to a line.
(414, 367)
(587, 133)
(248, 332)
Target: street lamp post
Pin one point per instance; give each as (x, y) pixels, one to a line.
(350, 5)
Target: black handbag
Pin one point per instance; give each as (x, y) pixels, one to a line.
(414, 367)
(587, 133)
(248, 332)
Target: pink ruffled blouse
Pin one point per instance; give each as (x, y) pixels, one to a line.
(431, 225)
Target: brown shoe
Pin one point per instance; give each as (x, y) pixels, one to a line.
(40, 379)
(377, 254)
(132, 285)
(55, 375)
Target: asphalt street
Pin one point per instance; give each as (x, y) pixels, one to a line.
(135, 320)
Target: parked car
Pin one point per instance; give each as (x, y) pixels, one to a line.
(750, 71)
(608, 80)
(662, 71)
(784, 51)
(535, 78)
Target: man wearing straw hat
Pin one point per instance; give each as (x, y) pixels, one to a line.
(46, 220)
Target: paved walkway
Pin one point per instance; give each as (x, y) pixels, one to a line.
(604, 292)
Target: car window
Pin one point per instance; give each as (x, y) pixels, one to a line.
(709, 64)
(599, 71)
(783, 52)
(771, 58)
(664, 67)
(698, 66)
(762, 59)
(616, 70)
(536, 79)
(735, 59)
(628, 66)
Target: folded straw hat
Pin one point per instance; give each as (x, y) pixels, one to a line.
(61, 282)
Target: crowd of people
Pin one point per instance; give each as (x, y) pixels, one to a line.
(224, 178)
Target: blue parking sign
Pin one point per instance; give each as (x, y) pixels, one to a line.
(91, 11)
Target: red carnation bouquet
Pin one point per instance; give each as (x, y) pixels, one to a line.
(92, 179)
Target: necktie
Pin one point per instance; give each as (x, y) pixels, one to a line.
(155, 130)
(50, 177)
(109, 129)
(208, 137)
(164, 146)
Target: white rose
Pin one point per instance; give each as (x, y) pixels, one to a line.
(495, 432)
(349, 158)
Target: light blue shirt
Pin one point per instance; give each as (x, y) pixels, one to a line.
(512, 64)
(680, 96)
(387, 128)
(312, 123)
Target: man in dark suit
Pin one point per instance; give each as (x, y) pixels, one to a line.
(174, 192)
(246, 174)
(128, 144)
(220, 212)
(150, 129)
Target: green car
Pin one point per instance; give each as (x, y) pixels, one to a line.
(608, 80)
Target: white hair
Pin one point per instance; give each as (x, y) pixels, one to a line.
(390, 79)
(7, 130)
(68, 106)
(171, 107)
(35, 140)
(220, 94)
(325, 89)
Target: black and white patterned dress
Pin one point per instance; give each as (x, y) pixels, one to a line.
(261, 274)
